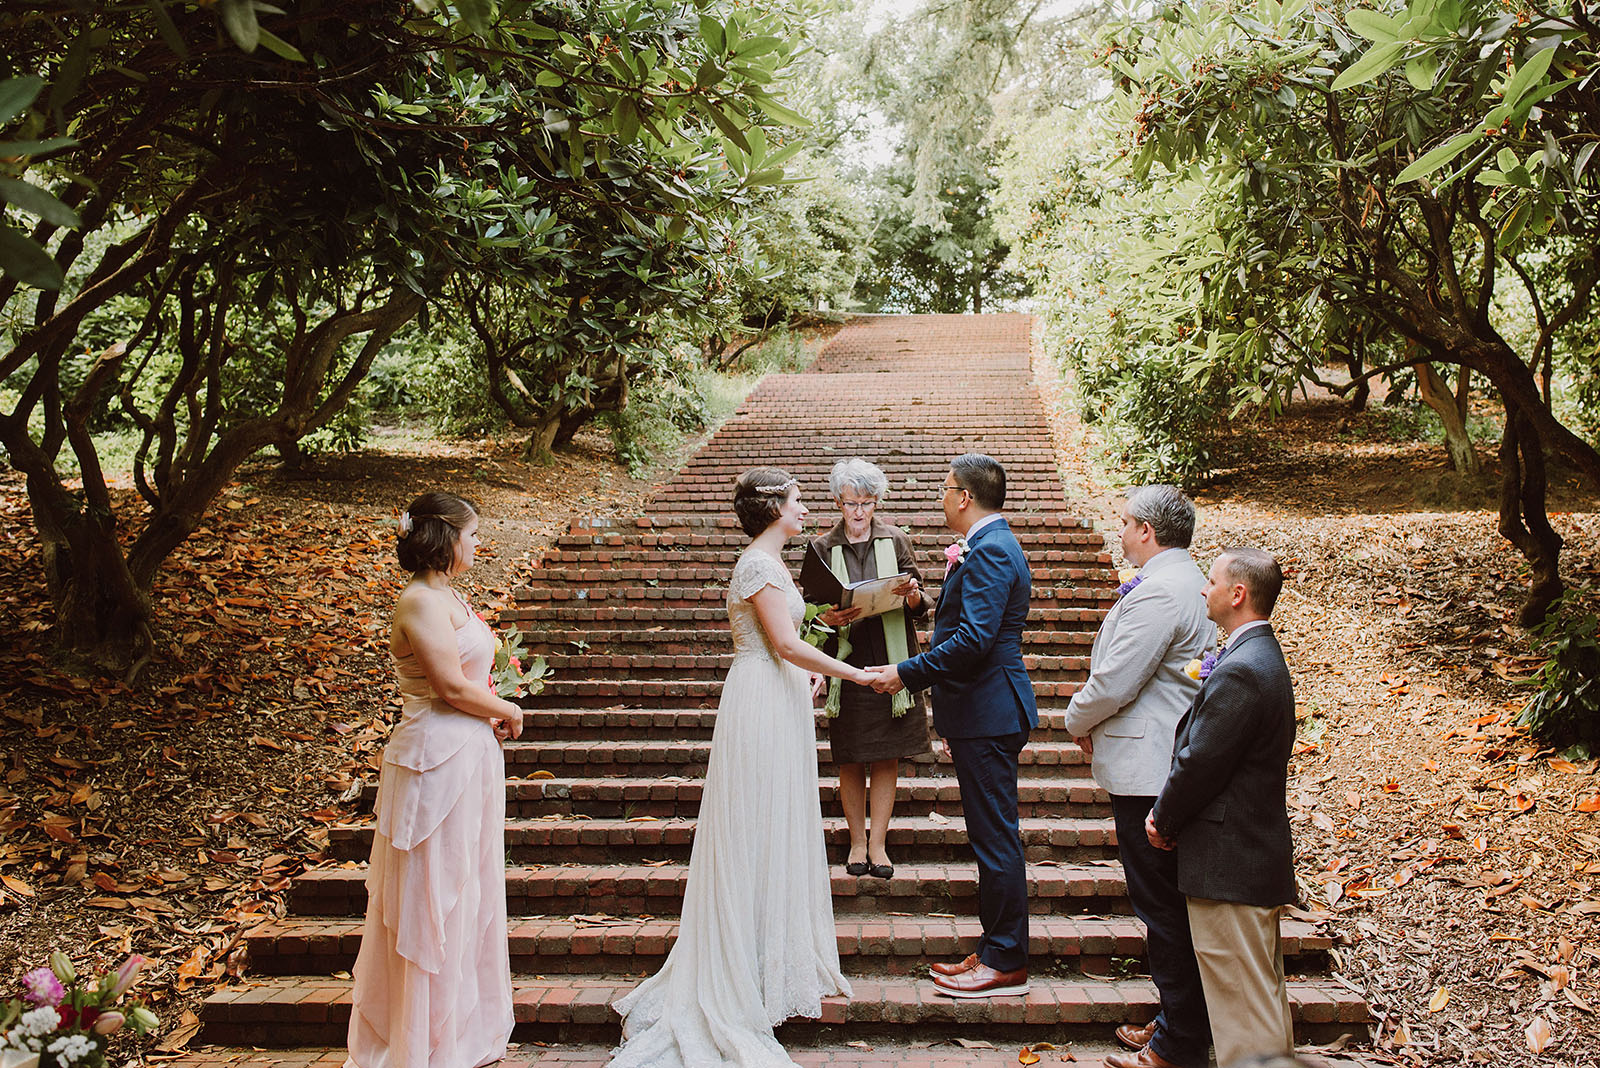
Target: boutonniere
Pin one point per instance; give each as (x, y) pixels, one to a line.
(1130, 579)
(1200, 669)
(955, 554)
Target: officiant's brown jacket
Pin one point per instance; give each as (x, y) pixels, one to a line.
(820, 551)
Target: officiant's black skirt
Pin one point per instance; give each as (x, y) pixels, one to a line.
(864, 732)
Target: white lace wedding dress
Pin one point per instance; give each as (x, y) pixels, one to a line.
(756, 942)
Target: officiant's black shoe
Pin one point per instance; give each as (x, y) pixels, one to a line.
(858, 868)
(881, 871)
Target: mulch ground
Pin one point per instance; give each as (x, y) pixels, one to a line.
(1445, 848)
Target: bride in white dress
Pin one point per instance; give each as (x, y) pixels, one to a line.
(756, 942)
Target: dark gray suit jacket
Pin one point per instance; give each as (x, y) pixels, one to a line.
(1225, 797)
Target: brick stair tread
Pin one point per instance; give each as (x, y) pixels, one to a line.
(900, 1000)
(910, 1052)
(622, 751)
(601, 719)
(666, 881)
(933, 788)
(858, 936)
(606, 663)
(702, 690)
(579, 610)
(1060, 832)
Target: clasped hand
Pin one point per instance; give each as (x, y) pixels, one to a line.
(885, 678)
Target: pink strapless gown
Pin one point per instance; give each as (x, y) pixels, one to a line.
(433, 978)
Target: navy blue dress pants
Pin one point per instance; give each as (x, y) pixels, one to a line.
(986, 768)
(1183, 1029)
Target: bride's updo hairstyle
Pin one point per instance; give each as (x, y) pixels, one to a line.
(758, 494)
(429, 529)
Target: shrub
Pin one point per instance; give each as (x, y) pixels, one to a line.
(1565, 709)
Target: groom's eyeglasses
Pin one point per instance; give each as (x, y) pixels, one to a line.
(947, 489)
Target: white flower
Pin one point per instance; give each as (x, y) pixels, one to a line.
(69, 1049)
(37, 1022)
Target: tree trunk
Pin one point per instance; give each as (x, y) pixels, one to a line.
(102, 613)
(1355, 358)
(1451, 409)
(1523, 521)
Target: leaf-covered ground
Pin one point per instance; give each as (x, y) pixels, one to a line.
(1452, 856)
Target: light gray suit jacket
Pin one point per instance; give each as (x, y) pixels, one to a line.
(1138, 689)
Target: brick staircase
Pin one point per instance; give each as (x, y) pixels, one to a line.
(605, 786)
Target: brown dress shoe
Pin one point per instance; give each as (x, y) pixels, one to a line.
(983, 981)
(1136, 1036)
(1145, 1058)
(966, 965)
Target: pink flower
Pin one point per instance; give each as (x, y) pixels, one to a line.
(516, 663)
(954, 554)
(108, 1023)
(126, 974)
(42, 987)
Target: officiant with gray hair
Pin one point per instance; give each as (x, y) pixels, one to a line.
(869, 733)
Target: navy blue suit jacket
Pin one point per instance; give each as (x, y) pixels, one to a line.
(974, 657)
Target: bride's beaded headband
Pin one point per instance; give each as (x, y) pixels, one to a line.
(777, 487)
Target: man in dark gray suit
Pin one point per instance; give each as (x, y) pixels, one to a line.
(1224, 808)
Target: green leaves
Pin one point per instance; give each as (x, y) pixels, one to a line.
(1376, 61)
(1439, 156)
(20, 257)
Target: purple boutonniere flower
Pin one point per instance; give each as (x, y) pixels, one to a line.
(1130, 585)
(1200, 669)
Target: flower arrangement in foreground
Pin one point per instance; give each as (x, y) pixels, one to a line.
(62, 1020)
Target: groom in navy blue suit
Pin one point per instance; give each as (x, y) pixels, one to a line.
(983, 707)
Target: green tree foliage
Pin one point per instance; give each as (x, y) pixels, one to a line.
(268, 197)
(1391, 173)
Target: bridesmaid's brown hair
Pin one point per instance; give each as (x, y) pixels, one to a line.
(429, 529)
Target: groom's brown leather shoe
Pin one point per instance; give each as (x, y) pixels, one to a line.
(967, 965)
(983, 982)
(1145, 1058)
(1136, 1036)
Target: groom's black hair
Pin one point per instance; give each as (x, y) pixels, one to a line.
(983, 477)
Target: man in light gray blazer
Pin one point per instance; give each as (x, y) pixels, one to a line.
(1125, 717)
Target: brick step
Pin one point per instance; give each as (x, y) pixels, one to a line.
(1067, 797)
(652, 758)
(1021, 499)
(711, 640)
(578, 611)
(667, 552)
(702, 693)
(299, 1010)
(643, 890)
(684, 596)
(578, 724)
(715, 665)
(621, 573)
(723, 524)
(639, 838)
(868, 945)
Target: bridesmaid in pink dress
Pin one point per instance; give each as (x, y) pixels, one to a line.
(433, 978)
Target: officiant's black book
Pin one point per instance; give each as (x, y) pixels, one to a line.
(873, 596)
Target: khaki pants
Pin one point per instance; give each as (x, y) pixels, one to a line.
(1241, 969)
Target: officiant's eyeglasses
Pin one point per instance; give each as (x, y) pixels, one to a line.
(858, 506)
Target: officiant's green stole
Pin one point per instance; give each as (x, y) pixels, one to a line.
(894, 625)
